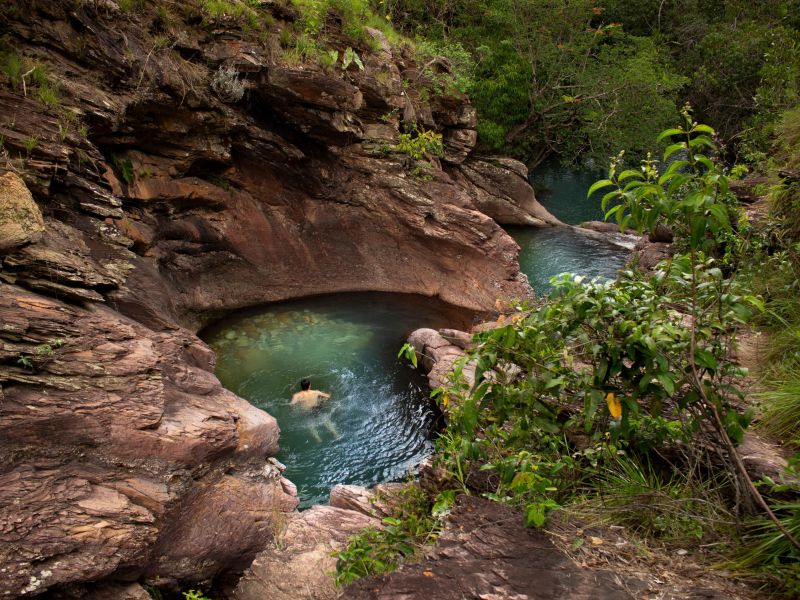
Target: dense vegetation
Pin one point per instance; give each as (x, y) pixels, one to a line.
(621, 402)
(584, 78)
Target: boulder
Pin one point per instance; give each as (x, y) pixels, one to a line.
(122, 452)
(299, 564)
(21, 219)
(373, 502)
(437, 355)
(499, 187)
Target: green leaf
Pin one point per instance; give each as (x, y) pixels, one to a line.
(535, 515)
(407, 351)
(607, 197)
(703, 129)
(706, 359)
(720, 214)
(599, 185)
(672, 170)
(444, 502)
(554, 382)
(669, 133)
(469, 416)
(628, 173)
(698, 232)
(672, 149)
(666, 382)
(613, 211)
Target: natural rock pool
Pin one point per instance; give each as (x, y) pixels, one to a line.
(546, 252)
(379, 421)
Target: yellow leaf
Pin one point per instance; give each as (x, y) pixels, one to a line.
(614, 405)
(501, 319)
(445, 400)
(427, 573)
(596, 541)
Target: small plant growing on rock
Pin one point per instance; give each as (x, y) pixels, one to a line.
(422, 171)
(421, 143)
(413, 524)
(30, 144)
(11, 66)
(195, 595)
(40, 355)
(130, 5)
(227, 85)
(351, 57)
(125, 167)
(48, 95)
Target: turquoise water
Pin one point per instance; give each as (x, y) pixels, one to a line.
(547, 252)
(562, 190)
(379, 421)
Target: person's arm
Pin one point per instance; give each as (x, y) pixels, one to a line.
(324, 395)
(295, 399)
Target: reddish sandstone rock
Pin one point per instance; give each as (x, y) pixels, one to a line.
(120, 454)
(20, 218)
(119, 445)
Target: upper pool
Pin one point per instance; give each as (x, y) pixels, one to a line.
(547, 252)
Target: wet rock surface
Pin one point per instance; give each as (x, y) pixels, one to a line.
(486, 552)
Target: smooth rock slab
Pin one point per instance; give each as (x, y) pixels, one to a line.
(485, 552)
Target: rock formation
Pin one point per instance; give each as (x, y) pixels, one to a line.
(486, 552)
(185, 166)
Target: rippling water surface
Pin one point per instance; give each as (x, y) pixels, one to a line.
(378, 423)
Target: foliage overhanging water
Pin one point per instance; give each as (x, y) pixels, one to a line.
(547, 252)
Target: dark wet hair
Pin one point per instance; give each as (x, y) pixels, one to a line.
(305, 383)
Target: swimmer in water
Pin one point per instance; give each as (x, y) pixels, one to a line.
(310, 399)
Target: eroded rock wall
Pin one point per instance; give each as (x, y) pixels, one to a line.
(156, 200)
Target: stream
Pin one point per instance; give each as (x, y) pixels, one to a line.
(547, 252)
(379, 423)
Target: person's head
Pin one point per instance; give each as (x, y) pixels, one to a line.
(305, 383)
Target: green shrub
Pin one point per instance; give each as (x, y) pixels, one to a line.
(413, 524)
(639, 363)
(421, 143)
(12, 67)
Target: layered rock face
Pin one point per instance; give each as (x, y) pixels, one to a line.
(158, 193)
